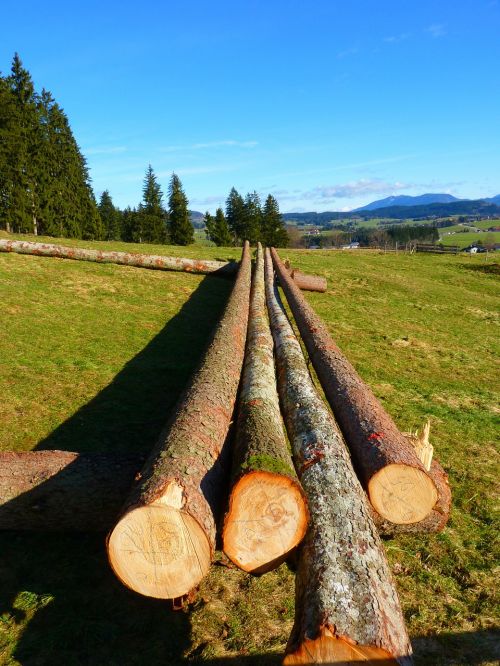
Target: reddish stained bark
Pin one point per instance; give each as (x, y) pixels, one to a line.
(188, 454)
(123, 258)
(371, 434)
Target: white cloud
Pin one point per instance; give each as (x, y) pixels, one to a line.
(395, 39)
(104, 150)
(353, 189)
(436, 30)
(211, 144)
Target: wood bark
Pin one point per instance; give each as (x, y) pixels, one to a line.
(152, 261)
(267, 515)
(163, 543)
(307, 282)
(61, 490)
(64, 491)
(396, 481)
(347, 608)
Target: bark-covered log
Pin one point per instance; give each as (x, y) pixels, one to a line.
(396, 481)
(308, 282)
(267, 515)
(60, 490)
(347, 608)
(153, 261)
(64, 491)
(163, 543)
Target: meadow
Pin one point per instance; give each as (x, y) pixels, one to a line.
(93, 357)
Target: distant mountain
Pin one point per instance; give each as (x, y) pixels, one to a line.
(196, 219)
(405, 200)
(494, 200)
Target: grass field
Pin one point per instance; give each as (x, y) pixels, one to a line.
(465, 239)
(93, 357)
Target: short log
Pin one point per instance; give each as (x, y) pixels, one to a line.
(163, 543)
(152, 261)
(267, 515)
(308, 282)
(347, 608)
(397, 483)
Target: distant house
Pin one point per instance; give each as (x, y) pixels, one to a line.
(351, 246)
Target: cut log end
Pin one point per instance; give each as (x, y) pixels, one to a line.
(267, 518)
(402, 494)
(330, 649)
(159, 551)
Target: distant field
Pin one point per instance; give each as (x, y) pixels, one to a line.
(465, 239)
(94, 356)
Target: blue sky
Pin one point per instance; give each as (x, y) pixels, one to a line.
(326, 104)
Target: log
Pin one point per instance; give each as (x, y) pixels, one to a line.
(64, 491)
(163, 543)
(347, 608)
(152, 261)
(267, 514)
(61, 491)
(396, 481)
(308, 282)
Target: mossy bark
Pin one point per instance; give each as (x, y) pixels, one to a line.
(152, 261)
(344, 586)
(372, 436)
(266, 516)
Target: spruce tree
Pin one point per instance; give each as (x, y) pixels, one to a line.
(236, 215)
(222, 233)
(209, 221)
(110, 217)
(273, 232)
(151, 215)
(181, 230)
(253, 218)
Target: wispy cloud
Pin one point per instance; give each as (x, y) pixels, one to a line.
(395, 39)
(351, 190)
(209, 201)
(348, 52)
(104, 150)
(436, 30)
(227, 143)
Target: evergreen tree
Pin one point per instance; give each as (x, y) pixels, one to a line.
(273, 231)
(236, 215)
(253, 218)
(151, 216)
(110, 217)
(180, 227)
(217, 230)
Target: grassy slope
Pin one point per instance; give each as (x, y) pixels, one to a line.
(93, 356)
(464, 239)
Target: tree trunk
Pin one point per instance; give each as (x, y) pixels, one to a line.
(267, 515)
(60, 490)
(124, 258)
(63, 491)
(307, 282)
(397, 483)
(163, 543)
(347, 608)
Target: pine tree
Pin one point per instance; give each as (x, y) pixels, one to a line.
(217, 230)
(209, 221)
(236, 215)
(110, 217)
(253, 218)
(180, 227)
(273, 232)
(151, 216)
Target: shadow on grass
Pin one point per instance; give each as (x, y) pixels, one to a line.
(489, 269)
(58, 597)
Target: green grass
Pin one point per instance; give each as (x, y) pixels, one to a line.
(465, 239)
(94, 356)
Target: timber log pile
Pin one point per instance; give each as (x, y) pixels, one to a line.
(162, 512)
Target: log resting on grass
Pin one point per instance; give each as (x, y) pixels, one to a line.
(397, 483)
(307, 282)
(267, 515)
(60, 491)
(64, 491)
(347, 608)
(157, 262)
(163, 544)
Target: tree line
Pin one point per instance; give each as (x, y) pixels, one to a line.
(45, 185)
